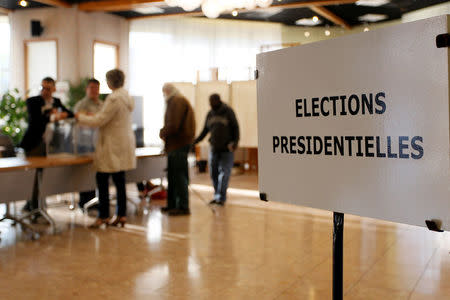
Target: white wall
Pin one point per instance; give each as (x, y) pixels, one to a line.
(75, 32)
(105, 28)
(429, 12)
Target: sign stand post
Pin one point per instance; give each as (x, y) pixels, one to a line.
(338, 255)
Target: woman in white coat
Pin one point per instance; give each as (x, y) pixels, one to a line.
(115, 149)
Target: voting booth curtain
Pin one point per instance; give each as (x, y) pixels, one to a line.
(173, 50)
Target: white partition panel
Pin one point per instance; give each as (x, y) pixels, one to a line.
(243, 101)
(16, 185)
(151, 167)
(187, 89)
(66, 179)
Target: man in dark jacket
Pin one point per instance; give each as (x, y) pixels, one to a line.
(41, 110)
(178, 133)
(222, 124)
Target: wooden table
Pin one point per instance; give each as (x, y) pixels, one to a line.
(58, 160)
(65, 173)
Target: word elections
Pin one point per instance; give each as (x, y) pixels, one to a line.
(341, 105)
(363, 146)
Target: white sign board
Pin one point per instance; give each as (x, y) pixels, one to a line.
(359, 124)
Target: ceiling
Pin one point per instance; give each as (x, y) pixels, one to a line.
(13, 4)
(346, 13)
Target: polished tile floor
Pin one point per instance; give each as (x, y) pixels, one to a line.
(246, 250)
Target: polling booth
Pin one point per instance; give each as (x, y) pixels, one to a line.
(241, 96)
(243, 101)
(187, 89)
(359, 125)
(203, 90)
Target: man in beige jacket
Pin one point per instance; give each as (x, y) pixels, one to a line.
(178, 134)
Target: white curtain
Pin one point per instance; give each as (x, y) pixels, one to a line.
(173, 50)
(4, 53)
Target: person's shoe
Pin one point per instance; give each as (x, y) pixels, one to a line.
(166, 209)
(99, 222)
(217, 202)
(179, 212)
(119, 221)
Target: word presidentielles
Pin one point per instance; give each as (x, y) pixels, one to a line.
(403, 147)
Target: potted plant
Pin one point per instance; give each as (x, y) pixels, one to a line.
(13, 116)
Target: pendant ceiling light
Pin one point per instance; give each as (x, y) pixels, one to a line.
(214, 8)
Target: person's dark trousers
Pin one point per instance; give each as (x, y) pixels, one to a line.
(103, 193)
(178, 178)
(220, 166)
(33, 203)
(140, 186)
(85, 197)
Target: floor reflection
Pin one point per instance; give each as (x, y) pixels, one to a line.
(246, 250)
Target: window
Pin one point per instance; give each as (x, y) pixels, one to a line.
(41, 60)
(184, 50)
(4, 53)
(106, 57)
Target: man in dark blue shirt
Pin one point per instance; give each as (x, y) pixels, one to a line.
(223, 127)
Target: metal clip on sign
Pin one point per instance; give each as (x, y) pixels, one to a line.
(443, 40)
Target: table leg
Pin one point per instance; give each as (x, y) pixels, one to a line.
(34, 234)
(89, 204)
(42, 205)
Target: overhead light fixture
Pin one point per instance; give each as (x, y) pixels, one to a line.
(308, 22)
(373, 3)
(307, 34)
(149, 10)
(23, 3)
(315, 19)
(214, 8)
(366, 29)
(327, 32)
(234, 13)
(372, 18)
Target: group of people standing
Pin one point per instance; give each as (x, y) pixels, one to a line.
(115, 148)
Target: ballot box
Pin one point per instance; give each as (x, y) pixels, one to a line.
(69, 137)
